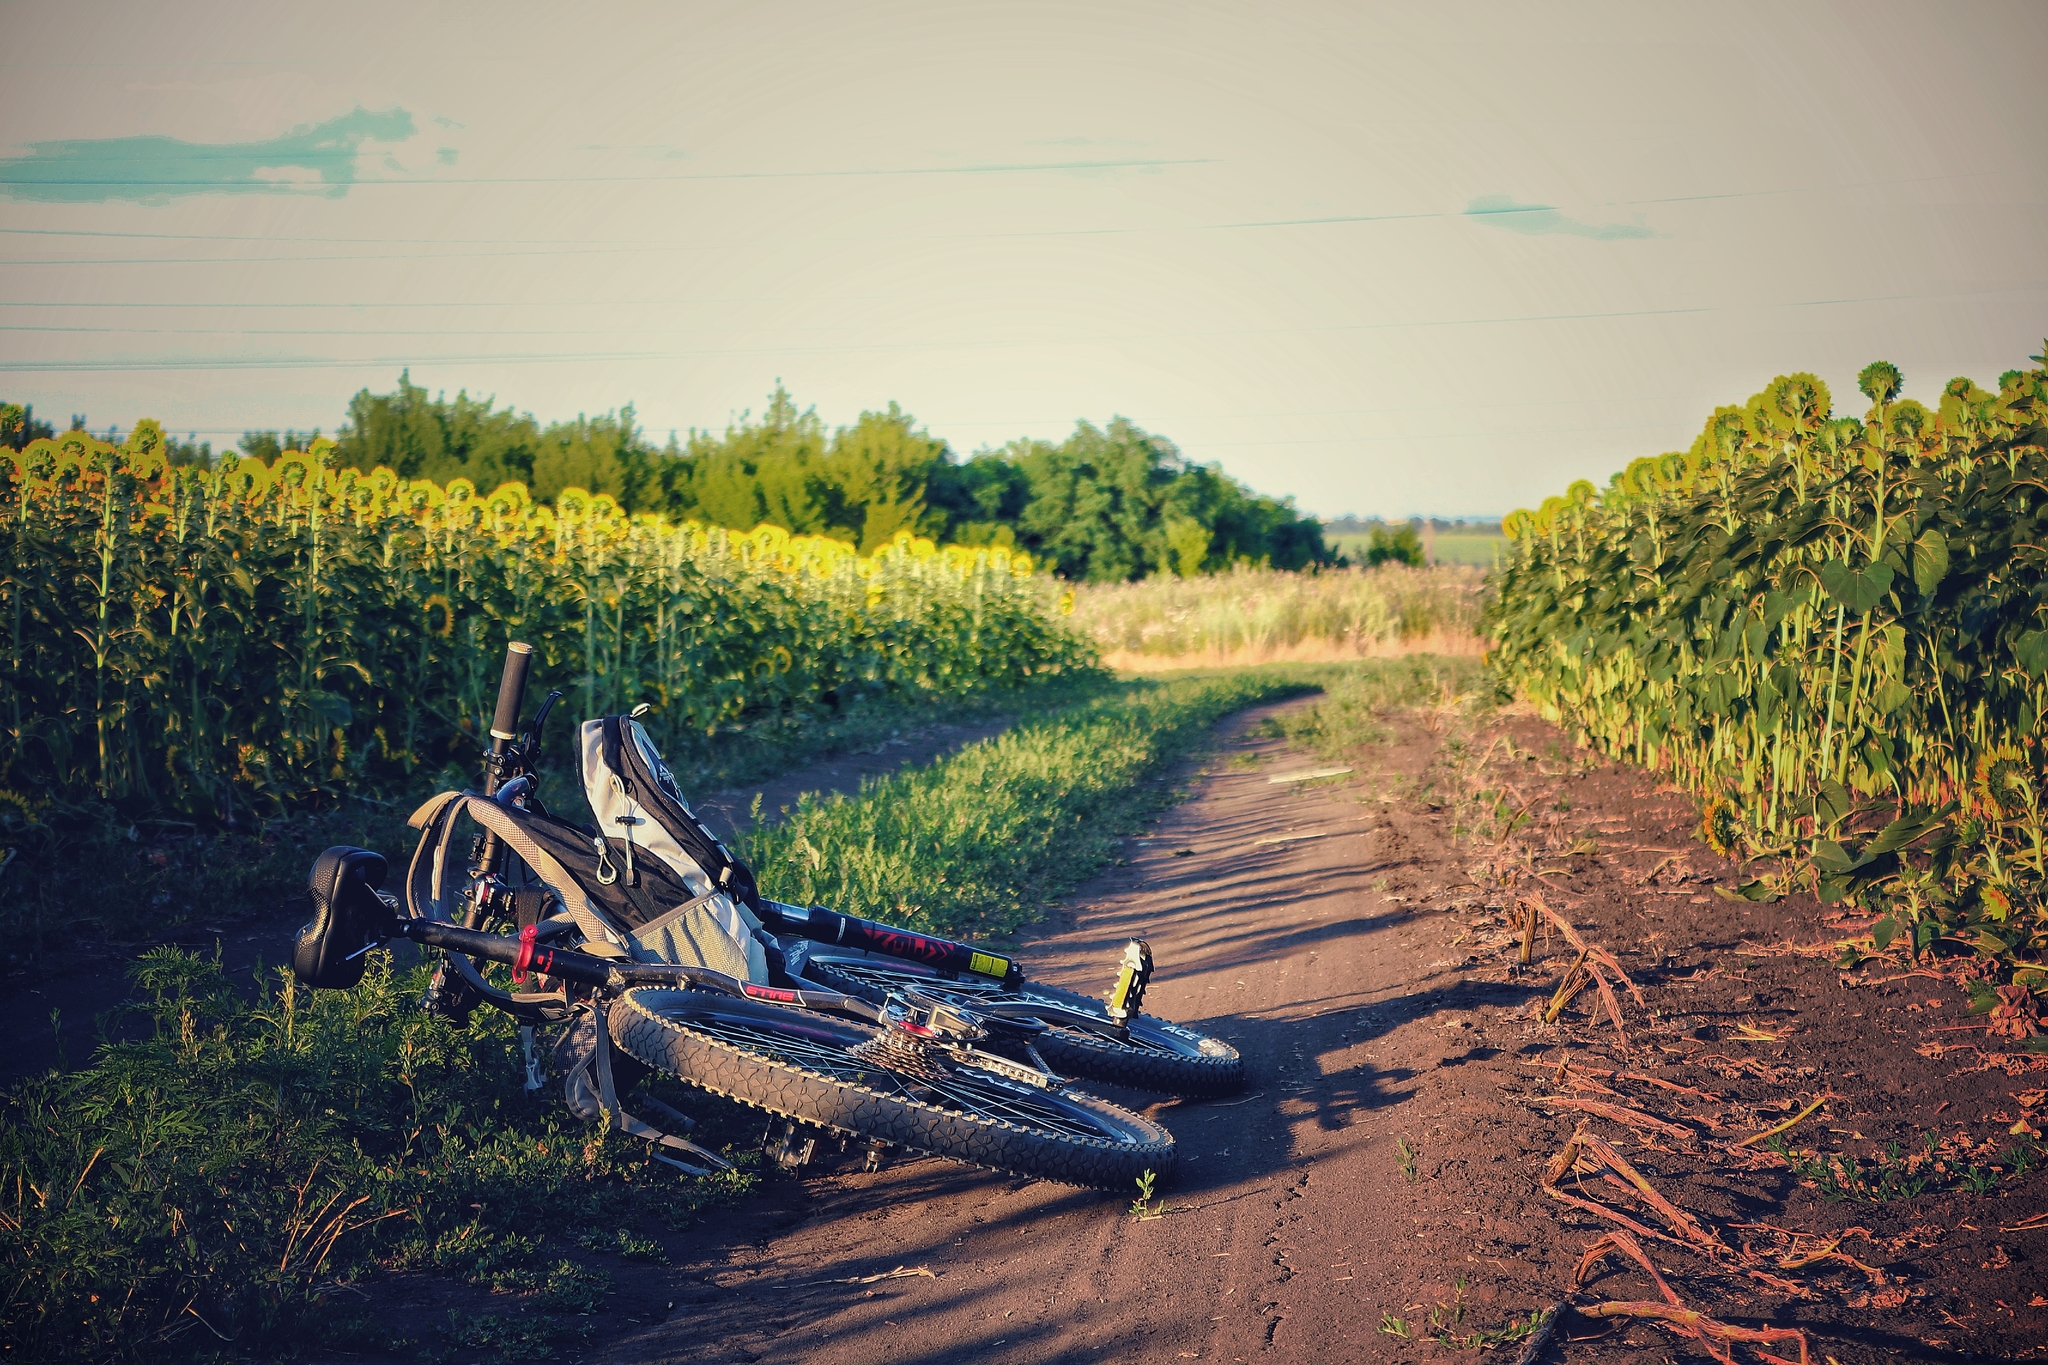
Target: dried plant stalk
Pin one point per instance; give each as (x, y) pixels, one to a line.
(1574, 982)
(1700, 1327)
(1634, 1118)
(1788, 1124)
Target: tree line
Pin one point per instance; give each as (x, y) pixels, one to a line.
(1108, 503)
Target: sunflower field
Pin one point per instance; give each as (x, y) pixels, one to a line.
(202, 640)
(1834, 631)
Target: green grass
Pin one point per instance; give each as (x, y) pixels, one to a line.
(1358, 700)
(1896, 1173)
(1476, 551)
(980, 842)
(219, 1176)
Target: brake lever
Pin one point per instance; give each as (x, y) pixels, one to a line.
(529, 743)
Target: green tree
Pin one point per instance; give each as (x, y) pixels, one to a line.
(440, 438)
(1106, 504)
(603, 454)
(402, 431)
(764, 471)
(1116, 502)
(268, 445)
(1390, 545)
(979, 500)
(877, 476)
(1096, 500)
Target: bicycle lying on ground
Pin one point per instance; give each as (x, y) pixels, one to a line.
(651, 948)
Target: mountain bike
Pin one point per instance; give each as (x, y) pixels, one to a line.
(530, 923)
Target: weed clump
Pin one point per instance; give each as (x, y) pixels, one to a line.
(218, 1177)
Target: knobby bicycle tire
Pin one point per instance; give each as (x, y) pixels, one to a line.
(801, 1066)
(1159, 1056)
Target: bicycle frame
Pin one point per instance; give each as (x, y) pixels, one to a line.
(820, 925)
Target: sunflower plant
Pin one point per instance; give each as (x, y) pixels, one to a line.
(1832, 630)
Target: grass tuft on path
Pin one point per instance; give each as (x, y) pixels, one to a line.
(1358, 701)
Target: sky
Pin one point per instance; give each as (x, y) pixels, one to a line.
(1385, 259)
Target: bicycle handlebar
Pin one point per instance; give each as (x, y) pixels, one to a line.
(511, 692)
(504, 730)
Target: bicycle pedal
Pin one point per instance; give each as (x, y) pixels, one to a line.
(1134, 974)
(449, 997)
(877, 1155)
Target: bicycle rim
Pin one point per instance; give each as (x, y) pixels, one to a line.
(802, 1066)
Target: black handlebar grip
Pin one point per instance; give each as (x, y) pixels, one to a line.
(511, 691)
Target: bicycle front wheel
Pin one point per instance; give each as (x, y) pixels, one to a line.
(1152, 1054)
(803, 1066)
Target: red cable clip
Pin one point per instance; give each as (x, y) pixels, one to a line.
(527, 939)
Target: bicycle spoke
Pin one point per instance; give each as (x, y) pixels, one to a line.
(985, 1097)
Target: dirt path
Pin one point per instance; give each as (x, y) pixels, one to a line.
(1289, 918)
(1380, 1174)
(1281, 913)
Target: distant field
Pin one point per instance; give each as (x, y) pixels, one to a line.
(1450, 549)
(1249, 616)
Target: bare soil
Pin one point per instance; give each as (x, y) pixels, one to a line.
(1379, 1182)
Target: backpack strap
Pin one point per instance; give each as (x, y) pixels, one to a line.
(727, 873)
(434, 885)
(623, 1122)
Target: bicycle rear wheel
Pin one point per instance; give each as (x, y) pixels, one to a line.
(802, 1066)
(1153, 1054)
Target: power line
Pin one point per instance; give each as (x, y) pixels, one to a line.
(305, 187)
(456, 303)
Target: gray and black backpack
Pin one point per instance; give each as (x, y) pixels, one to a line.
(651, 836)
(648, 882)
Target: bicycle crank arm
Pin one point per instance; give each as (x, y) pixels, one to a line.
(1039, 1077)
(1045, 1011)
